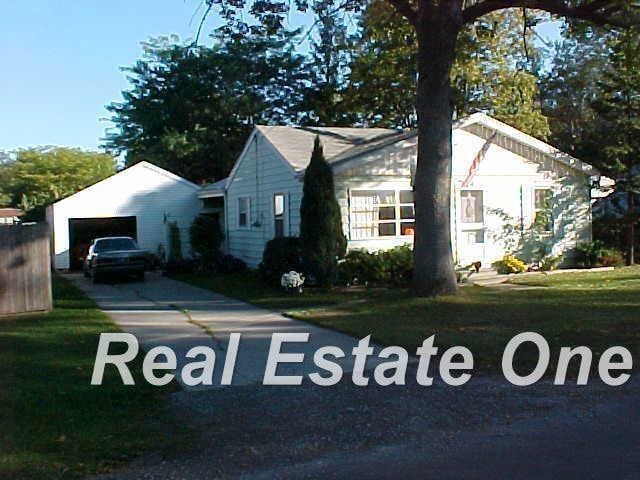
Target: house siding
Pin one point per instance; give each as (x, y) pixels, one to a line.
(140, 191)
(507, 179)
(508, 182)
(386, 169)
(259, 174)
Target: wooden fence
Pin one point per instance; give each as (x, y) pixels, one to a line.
(25, 269)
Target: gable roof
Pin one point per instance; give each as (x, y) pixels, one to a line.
(518, 142)
(140, 165)
(295, 144)
(341, 144)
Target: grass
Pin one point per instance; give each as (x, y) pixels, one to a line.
(53, 423)
(598, 310)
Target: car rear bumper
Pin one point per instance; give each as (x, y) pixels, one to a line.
(119, 268)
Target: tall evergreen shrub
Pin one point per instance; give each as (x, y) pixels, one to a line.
(321, 236)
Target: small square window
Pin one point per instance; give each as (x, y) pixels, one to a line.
(472, 208)
(387, 229)
(543, 198)
(387, 213)
(406, 212)
(408, 228)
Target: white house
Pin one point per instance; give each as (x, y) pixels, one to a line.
(503, 182)
(139, 201)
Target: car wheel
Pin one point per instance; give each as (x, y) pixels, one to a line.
(140, 276)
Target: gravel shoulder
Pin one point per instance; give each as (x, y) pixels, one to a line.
(485, 429)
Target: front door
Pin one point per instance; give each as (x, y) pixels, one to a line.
(471, 245)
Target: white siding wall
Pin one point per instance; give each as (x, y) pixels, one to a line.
(502, 177)
(384, 169)
(260, 173)
(141, 191)
(508, 182)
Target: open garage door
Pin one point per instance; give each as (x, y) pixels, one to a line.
(83, 230)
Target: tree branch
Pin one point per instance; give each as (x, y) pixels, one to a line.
(601, 12)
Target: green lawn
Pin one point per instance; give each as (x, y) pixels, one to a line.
(53, 423)
(598, 310)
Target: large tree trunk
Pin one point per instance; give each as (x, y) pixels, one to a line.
(433, 271)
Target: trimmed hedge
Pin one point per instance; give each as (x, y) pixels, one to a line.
(388, 267)
(281, 255)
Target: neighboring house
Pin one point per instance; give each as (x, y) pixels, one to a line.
(504, 182)
(10, 216)
(139, 201)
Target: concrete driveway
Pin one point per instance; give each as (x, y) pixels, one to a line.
(162, 311)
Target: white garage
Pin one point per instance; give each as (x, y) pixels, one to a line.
(140, 201)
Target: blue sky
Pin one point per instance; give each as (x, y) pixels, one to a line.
(60, 63)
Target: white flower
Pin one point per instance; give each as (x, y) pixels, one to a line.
(292, 279)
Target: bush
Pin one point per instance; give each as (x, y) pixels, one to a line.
(595, 254)
(397, 265)
(550, 262)
(230, 264)
(610, 257)
(206, 236)
(389, 267)
(587, 253)
(360, 267)
(281, 255)
(180, 266)
(509, 264)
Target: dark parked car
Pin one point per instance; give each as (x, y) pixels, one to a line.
(115, 255)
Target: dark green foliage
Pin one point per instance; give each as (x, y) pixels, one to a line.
(569, 88)
(492, 72)
(190, 108)
(392, 267)
(321, 236)
(618, 108)
(281, 255)
(595, 254)
(230, 264)
(398, 265)
(206, 236)
(180, 266)
(323, 100)
(360, 267)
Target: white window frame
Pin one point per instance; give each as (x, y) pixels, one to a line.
(552, 193)
(398, 221)
(248, 225)
(284, 213)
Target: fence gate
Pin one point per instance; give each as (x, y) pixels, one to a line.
(25, 269)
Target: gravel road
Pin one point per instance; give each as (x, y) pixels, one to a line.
(486, 429)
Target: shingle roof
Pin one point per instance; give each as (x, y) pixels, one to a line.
(295, 144)
(214, 189)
